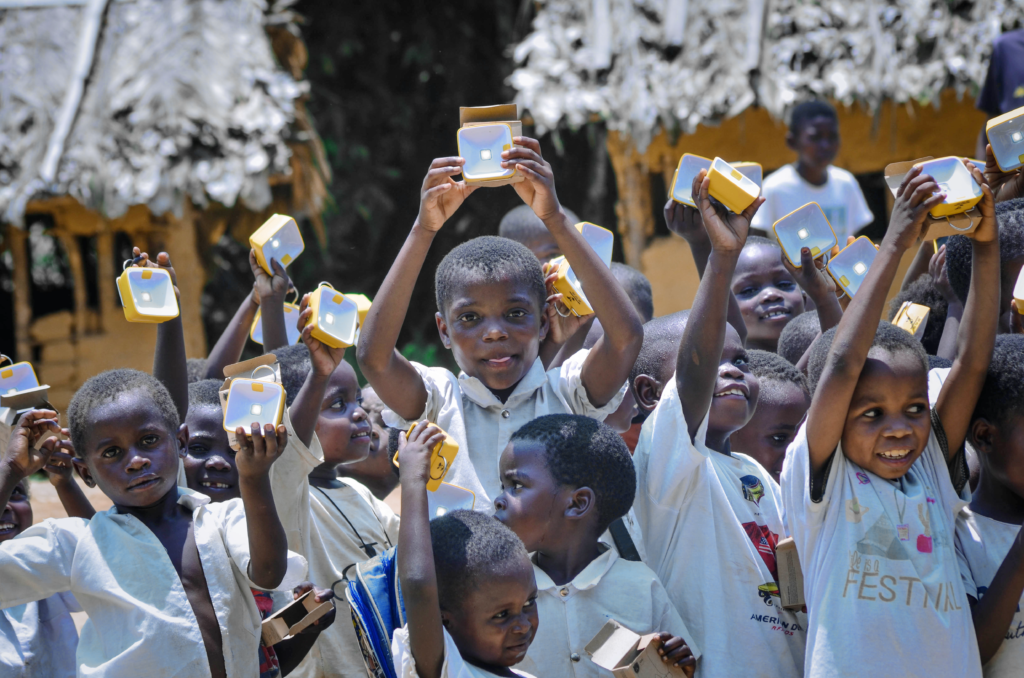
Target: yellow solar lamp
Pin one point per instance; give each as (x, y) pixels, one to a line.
(752, 171)
(278, 238)
(912, 317)
(808, 227)
(291, 319)
(253, 401)
(335, 318)
(567, 284)
(730, 187)
(147, 294)
(16, 377)
(682, 184)
(1018, 292)
(1006, 135)
(362, 303)
(481, 147)
(953, 177)
(441, 459)
(447, 498)
(849, 267)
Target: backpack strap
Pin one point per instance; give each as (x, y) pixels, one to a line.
(623, 541)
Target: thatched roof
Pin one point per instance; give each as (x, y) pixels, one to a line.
(638, 64)
(125, 102)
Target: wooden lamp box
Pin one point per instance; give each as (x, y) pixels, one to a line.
(791, 577)
(629, 655)
(293, 618)
(484, 168)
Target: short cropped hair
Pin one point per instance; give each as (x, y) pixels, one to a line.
(469, 549)
(496, 259)
(204, 393)
(104, 388)
(295, 365)
(888, 337)
(808, 110)
(638, 289)
(196, 369)
(393, 434)
(755, 240)
(583, 452)
(797, 336)
(1002, 396)
(768, 366)
(937, 363)
(523, 225)
(661, 343)
(924, 292)
(1010, 217)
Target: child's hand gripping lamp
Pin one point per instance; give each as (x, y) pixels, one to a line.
(807, 227)
(441, 459)
(953, 177)
(291, 317)
(567, 284)
(278, 238)
(335, 318)
(481, 147)
(849, 267)
(730, 187)
(147, 294)
(254, 401)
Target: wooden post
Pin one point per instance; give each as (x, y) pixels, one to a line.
(636, 221)
(74, 254)
(106, 275)
(22, 292)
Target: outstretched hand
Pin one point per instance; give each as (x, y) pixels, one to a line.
(676, 652)
(937, 271)
(320, 596)
(685, 221)
(726, 230)
(141, 259)
(1005, 185)
(812, 276)
(266, 286)
(440, 195)
(538, 191)
(414, 450)
(562, 324)
(988, 229)
(258, 450)
(917, 195)
(324, 359)
(21, 455)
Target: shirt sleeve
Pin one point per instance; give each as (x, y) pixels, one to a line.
(665, 617)
(963, 532)
(568, 383)
(230, 517)
(860, 214)
(442, 388)
(800, 502)
(405, 664)
(37, 563)
(289, 483)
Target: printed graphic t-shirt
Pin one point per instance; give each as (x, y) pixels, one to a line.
(981, 546)
(881, 579)
(710, 524)
(840, 198)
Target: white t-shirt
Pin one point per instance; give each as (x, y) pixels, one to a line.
(881, 579)
(710, 524)
(482, 425)
(840, 198)
(454, 665)
(981, 545)
(572, 614)
(39, 639)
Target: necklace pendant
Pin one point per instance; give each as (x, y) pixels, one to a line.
(903, 531)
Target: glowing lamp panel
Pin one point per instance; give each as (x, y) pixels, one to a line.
(1007, 141)
(689, 167)
(284, 245)
(953, 178)
(806, 227)
(736, 177)
(253, 402)
(338, 316)
(152, 292)
(17, 377)
(481, 147)
(600, 239)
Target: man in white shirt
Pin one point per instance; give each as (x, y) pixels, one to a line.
(814, 135)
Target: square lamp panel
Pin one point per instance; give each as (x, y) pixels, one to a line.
(481, 147)
(278, 238)
(291, 319)
(567, 284)
(147, 295)
(849, 267)
(730, 187)
(807, 227)
(253, 401)
(682, 185)
(447, 498)
(752, 171)
(953, 177)
(1006, 135)
(335, 317)
(17, 377)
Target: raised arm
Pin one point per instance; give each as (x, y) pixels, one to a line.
(169, 364)
(20, 459)
(271, 290)
(394, 379)
(607, 367)
(416, 553)
(700, 349)
(268, 545)
(954, 308)
(819, 286)
(231, 342)
(305, 409)
(59, 468)
(856, 332)
(994, 612)
(685, 222)
(977, 331)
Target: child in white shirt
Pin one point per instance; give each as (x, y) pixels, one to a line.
(493, 313)
(874, 479)
(814, 135)
(565, 478)
(988, 534)
(467, 583)
(711, 517)
(37, 639)
(164, 575)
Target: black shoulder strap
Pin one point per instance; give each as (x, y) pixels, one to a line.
(959, 473)
(623, 542)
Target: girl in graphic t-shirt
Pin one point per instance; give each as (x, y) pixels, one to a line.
(871, 484)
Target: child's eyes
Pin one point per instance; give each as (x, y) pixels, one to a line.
(746, 291)
(530, 603)
(468, 317)
(873, 413)
(150, 440)
(110, 453)
(517, 313)
(779, 438)
(501, 615)
(916, 408)
(197, 450)
(338, 404)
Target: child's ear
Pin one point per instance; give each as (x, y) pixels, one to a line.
(183, 440)
(445, 619)
(580, 503)
(442, 329)
(981, 433)
(545, 322)
(791, 141)
(648, 391)
(83, 472)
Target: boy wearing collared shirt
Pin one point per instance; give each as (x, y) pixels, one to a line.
(565, 478)
(493, 314)
(165, 576)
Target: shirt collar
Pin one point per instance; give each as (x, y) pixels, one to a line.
(587, 579)
(476, 391)
(191, 499)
